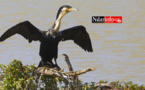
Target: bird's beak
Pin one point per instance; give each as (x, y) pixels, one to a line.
(73, 9)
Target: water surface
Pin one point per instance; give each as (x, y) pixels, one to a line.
(119, 49)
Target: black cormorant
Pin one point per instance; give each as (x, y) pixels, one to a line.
(51, 38)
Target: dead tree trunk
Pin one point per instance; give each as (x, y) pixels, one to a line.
(75, 77)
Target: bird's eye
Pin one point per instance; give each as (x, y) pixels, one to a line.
(67, 9)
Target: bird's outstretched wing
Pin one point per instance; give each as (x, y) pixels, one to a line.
(26, 29)
(79, 35)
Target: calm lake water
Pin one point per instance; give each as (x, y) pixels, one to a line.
(119, 49)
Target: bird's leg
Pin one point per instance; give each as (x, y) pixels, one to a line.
(56, 64)
(46, 63)
(50, 63)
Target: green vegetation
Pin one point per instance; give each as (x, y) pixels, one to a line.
(15, 76)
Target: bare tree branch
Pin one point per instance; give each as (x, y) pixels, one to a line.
(79, 72)
(51, 72)
(68, 62)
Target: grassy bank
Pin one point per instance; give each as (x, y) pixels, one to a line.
(15, 76)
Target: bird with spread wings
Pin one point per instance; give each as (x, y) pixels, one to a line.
(50, 39)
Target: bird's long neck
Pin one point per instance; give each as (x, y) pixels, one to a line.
(57, 23)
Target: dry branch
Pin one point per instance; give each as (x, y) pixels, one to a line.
(75, 77)
(68, 62)
(79, 72)
(51, 71)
